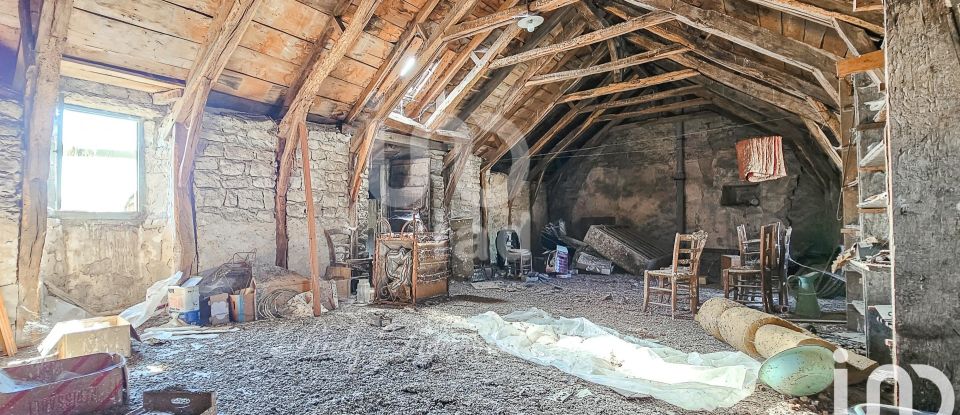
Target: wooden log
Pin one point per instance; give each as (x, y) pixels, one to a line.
(40, 106)
(630, 85)
(709, 314)
(640, 58)
(650, 19)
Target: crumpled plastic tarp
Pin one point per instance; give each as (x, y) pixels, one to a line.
(630, 366)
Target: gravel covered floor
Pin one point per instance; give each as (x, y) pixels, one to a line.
(365, 359)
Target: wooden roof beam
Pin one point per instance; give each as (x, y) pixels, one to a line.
(638, 59)
(540, 113)
(815, 60)
(497, 76)
(431, 48)
(630, 85)
(453, 98)
(859, 44)
(400, 50)
(502, 18)
(628, 26)
(825, 12)
(670, 93)
(432, 90)
(301, 95)
(409, 126)
(223, 36)
(675, 106)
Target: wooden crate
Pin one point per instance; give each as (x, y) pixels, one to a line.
(93, 335)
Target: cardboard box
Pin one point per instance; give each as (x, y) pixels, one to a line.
(185, 298)
(243, 306)
(219, 309)
(93, 335)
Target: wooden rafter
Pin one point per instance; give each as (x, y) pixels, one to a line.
(299, 99)
(499, 75)
(656, 96)
(222, 39)
(540, 113)
(431, 48)
(825, 11)
(675, 106)
(823, 142)
(630, 85)
(40, 105)
(405, 125)
(640, 58)
(628, 26)
(452, 99)
(502, 18)
(739, 82)
(440, 80)
(815, 60)
(401, 50)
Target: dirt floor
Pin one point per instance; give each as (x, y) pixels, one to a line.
(366, 359)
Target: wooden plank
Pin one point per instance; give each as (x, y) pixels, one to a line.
(862, 63)
(40, 106)
(400, 51)
(656, 109)
(650, 19)
(630, 85)
(315, 290)
(502, 18)
(858, 43)
(867, 5)
(640, 58)
(670, 93)
(453, 98)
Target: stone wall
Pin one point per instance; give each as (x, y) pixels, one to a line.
(107, 264)
(630, 182)
(234, 187)
(11, 156)
(503, 215)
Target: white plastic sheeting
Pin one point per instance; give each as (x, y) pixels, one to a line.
(630, 366)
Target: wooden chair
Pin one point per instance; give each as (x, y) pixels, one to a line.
(682, 277)
(753, 283)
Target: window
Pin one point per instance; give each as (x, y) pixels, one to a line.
(99, 162)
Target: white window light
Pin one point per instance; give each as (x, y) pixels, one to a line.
(408, 66)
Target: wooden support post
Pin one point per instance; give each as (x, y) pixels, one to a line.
(185, 230)
(316, 290)
(680, 179)
(40, 106)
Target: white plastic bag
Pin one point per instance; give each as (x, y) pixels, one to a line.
(631, 366)
(139, 313)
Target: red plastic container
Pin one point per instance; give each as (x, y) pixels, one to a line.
(78, 385)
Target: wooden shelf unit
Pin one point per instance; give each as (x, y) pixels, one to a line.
(865, 176)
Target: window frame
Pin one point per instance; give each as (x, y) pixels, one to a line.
(57, 163)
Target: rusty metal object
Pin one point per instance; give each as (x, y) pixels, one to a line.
(78, 385)
(626, 248)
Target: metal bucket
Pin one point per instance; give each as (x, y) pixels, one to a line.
(799, 371)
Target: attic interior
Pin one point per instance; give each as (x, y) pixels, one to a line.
(479, 206)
